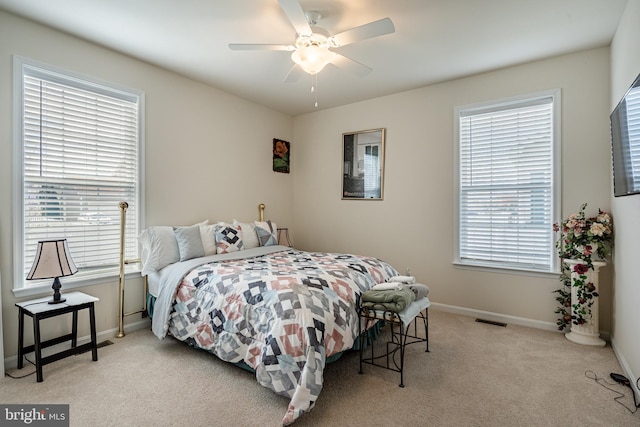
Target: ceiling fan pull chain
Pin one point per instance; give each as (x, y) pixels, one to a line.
(314, 85)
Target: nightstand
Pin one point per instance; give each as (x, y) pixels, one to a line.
(40, 309)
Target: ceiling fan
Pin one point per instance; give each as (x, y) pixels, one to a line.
(313, 46)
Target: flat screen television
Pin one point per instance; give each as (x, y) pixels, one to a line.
(625, 142)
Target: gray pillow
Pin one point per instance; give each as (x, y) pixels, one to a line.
(266, 232)
(189, 242)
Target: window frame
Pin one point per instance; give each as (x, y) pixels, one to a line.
(20, 67)
(556, 187)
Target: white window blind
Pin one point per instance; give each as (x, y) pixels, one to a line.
(506, 189)
(80, 144)
(632, 107)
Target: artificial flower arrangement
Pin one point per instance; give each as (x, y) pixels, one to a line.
(581, 238)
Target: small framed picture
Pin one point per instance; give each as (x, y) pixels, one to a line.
(281, 155)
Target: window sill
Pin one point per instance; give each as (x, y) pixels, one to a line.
(505, 270)
(44, 288)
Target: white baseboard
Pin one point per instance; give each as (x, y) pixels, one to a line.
(12, 362)
(628, 372)
(496, 317)
(504, 318)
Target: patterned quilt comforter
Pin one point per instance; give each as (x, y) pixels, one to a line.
(282, 314)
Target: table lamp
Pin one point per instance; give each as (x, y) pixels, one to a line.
(53, 261)
(283, 237)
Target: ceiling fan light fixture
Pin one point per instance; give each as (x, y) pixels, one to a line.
(313, 45)
(312, 58)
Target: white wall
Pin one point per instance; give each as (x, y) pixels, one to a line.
(413, 226)
(208, 153)
(625, 66)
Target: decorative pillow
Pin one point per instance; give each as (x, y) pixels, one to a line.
(159, 248)
(189, 242)
(228, 238)
(208, 237)
(267, 233)
(249, 236)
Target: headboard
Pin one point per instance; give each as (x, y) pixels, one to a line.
(123, 262)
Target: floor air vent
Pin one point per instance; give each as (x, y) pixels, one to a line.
(99, 345)
(491, 322)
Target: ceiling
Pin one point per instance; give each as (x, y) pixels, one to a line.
(434, 41)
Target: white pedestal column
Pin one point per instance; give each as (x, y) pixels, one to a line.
(589, 332)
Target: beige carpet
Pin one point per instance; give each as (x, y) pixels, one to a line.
(475, 375)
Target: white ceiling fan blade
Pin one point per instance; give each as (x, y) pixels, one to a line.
(244, 46)
(351, 65)
(293, 75)
(294, 12)
(363, 32)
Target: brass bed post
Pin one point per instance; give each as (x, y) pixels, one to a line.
(121, 314)
(123, 214)
(261, 211)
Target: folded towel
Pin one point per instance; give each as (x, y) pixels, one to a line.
(395, 300)
(387, 286)
(419, 290)
(403, 279)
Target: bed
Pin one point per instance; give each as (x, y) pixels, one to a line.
(279, 311)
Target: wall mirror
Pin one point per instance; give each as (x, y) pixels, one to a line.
(363, 165)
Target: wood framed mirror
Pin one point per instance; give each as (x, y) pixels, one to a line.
(363, 165)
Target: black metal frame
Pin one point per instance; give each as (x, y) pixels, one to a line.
(401, 336)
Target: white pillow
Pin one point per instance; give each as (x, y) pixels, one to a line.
(228, 238)
(189, 242)
(208, 237)
(249, 236)
(159, 248)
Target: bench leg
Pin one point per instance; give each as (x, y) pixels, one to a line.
(426, 326)
(37, 347)
(425, 321)
(360, 341)
(20, 337)
(74, 329)
(403, 341)
(94, 341)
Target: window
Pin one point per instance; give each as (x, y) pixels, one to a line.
(78, 145)
(507, 187)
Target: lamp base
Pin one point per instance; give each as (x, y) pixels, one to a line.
(57, 296)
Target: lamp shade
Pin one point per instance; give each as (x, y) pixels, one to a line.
(52, 260)
(312, 58)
